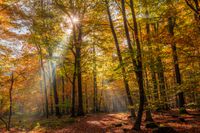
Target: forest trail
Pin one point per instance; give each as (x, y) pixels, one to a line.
(121, 123)
(99, 123)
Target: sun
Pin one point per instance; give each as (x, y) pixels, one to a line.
(75, 20)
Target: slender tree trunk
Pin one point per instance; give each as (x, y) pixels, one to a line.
(100, 100)
(86, 99)
(42, 96)
(161, 79)
(128, 38)
(121, 62)
(171, 24)
(74, 75)
(148, 111)
(42, 6)
(153, 76)
(152, 61)
(139, 67)
(79, 73)
(54, 84)
(67, 104)
(50, 88)
(95, 102)
(155, 84)
(10, 101)
(73, 91)
(45, 85)
(63, 94)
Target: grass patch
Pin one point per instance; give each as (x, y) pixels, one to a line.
(54, 123)
(28, 123)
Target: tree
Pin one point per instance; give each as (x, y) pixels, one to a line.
(171, 24)
(138, 70)
(120, 60)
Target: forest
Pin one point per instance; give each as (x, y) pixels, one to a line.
(100, 66)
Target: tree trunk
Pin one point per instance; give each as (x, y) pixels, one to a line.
(155, 84)
(63, 94)
(45, 86)
(138, 71)
(79, 73)
(95, 102)
(121, 62)
(10, 102)
(125, 80)
(148, 111)
(161, 79)
(54, 84)
(86, 99)
(50, 88)
(100, 100)
(152, 61)
(171, 24)
(41, 92)
(74, 74)
(73, 90)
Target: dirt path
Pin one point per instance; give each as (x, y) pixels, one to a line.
(99, 123)
(120, 123)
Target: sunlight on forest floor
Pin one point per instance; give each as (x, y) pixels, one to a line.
(107, 123)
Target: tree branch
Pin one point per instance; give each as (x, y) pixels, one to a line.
(192, 7)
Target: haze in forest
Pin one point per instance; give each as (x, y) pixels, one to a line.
(99, 66)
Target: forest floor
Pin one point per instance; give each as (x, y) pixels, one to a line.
(108, 123)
